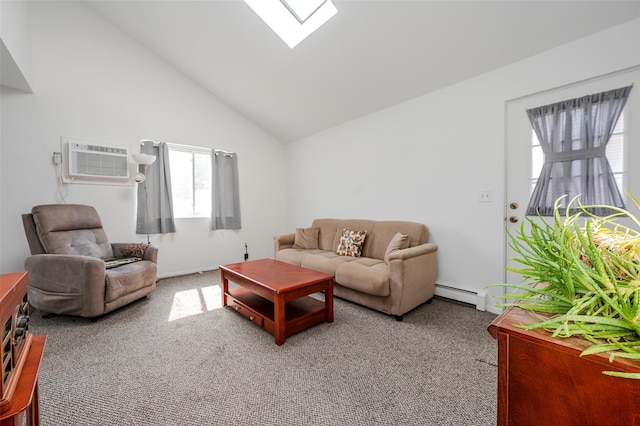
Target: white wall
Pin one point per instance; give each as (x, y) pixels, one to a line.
(427, 159)
(424, 160)
(14, 45)
(92, 81)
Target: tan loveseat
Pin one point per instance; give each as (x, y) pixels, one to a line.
(395, 272)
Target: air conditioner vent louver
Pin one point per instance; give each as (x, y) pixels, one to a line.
(100, 162)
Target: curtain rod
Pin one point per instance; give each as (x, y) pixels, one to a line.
(593, 94)
(226, 153)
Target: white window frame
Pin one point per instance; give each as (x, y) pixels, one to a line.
(182, 213)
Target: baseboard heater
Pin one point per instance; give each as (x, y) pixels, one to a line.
(478, 298)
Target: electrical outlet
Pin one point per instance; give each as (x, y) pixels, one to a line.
(485, 196)
(57, 158)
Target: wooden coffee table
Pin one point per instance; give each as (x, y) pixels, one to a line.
(275, 295)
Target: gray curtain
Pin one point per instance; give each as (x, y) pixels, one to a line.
(225, 191)
(573, 135)
(155, 193)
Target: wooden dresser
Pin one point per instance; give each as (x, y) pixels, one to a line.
(544, 381)
(21, 354)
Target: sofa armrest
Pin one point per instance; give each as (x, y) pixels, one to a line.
(281, 242)
(410, 252)
(151, 253)
(412, 277)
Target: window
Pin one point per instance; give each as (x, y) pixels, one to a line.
(190, 180)
(293, 20)
(615, 155)
(194, 172)
(574, 135)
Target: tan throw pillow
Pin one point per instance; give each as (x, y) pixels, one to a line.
(398, 242)
(351, 243)
(306, 238)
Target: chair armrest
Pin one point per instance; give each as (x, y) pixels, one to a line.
(75, 282)
(151, 253)
(66, 273)
(281, 242)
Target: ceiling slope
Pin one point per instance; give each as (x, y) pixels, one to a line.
(371, 55)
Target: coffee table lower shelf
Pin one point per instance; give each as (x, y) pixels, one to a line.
(300, 314)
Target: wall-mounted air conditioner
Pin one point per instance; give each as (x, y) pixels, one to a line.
(97, 161)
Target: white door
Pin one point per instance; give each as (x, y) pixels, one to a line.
(518, 141)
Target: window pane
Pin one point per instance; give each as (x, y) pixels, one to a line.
(619, 177)
(202, 181)
(537, 160)
(619, 125)
(304, 8)
(181, 182)
(615, 153)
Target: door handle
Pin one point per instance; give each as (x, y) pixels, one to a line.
(513, 206)
(513, 219)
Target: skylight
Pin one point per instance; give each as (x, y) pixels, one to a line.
(293, 20)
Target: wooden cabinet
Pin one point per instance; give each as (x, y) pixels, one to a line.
(16, 338)
(24, 407)
(21, 354)
(544, 380)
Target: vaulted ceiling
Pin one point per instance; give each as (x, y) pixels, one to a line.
(371, 55)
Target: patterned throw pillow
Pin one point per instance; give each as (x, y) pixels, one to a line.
(351, 243)
(135, 250)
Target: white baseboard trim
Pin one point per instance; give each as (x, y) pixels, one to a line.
(189, 272)
(478, 298)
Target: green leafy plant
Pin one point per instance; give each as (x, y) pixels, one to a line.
(583, 272)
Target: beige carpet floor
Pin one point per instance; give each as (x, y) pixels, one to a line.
(177, 358)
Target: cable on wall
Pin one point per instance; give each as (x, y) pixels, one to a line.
(62, 187)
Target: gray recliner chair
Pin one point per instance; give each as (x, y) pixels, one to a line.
(74, 270)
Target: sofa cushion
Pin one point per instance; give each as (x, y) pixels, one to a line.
(398, 242)
(379, 234)
(383, 232)
(351, 243)
(328, 232)
(366, 275)
(306, 238)
(325, 261)
(360, 225)
(294, 256)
